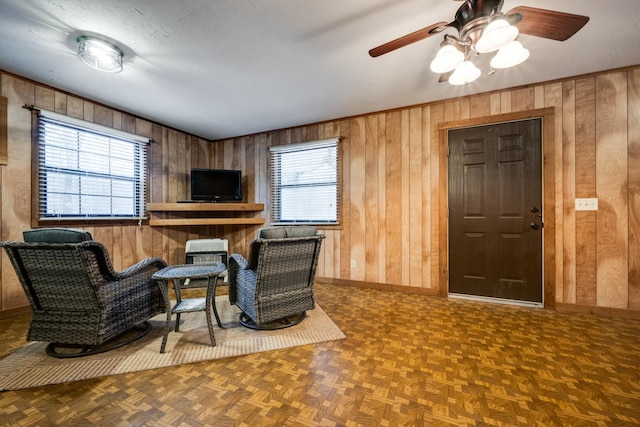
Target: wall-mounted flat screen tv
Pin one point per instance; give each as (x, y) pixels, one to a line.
(216, 185)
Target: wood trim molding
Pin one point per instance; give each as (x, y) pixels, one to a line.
(4, 130)
(13, 312)
(549, 192)
(599, 311)
(378, 286)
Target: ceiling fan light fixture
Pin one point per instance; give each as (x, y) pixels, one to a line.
(496, 35)
(510, 55)
(464, 73)
(447, 59)
(99, 54)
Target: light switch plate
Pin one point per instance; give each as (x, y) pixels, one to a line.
(588, 204)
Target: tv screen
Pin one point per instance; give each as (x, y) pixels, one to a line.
(216, 185)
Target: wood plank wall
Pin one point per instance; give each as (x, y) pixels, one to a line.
(393, 185)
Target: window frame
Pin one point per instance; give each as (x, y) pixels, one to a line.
(275, 188)
(139, 181)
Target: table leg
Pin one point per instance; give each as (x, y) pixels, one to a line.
(164, 290)
(177, 288)
(211, 299)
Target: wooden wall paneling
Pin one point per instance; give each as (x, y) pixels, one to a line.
(611, 185)
(539, 102)
(439, 203)
(60, 102)
(16, 182)
(451, 111)
(426, 160)
(405, 195)
(118, 119)
(121, 247)
(585, 171)
(44, 98)
(480, 106)
(523, 99)
(344, 238)
(569, 191)
(4, 126)
(156, 183)
(240, 162)
(465, 108)
(634, 188)
(75, 107)
(251, 168)
(88, 111)
(182, 167)
(393, 198)
(102, 115)
(371, 199)
(262, 175)
(505, 102)
(357, 197)
(380, 221)
(550, 171)
(176, 176)
(415, 201)
(495, 104)
(143, 240)
(553, 98)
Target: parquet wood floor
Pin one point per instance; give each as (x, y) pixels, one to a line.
(408, 360)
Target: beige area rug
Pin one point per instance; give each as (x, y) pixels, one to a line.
(32, 367)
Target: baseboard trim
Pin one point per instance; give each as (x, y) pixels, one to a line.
(379, 286)
(600, 311)
(13, 312)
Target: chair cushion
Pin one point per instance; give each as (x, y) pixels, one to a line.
(56, 235)
(288, 231)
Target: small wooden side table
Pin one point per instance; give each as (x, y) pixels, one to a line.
(179, 273)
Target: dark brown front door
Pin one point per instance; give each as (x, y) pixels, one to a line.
(495, 211)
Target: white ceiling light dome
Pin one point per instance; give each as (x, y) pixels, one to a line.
(464, 73)
(447, 59)
(510, 55)
(99, 54)
(495, 36)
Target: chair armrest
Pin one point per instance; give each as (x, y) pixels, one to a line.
(236, 263)
(148, 262)
(239, 261)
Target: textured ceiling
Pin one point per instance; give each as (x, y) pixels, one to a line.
(222, 68)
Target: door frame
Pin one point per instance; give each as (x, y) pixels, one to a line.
(548, 194)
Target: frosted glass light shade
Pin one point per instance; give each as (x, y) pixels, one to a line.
(464, 73)
(99, 54)
(510, 55)
(447, 59)
(497, 35)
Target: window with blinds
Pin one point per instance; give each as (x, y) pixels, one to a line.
(304, 183)
(87, 171)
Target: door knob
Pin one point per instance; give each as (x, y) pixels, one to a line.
(535, 226)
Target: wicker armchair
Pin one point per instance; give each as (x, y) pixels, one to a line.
(274, 287)
(79, 303)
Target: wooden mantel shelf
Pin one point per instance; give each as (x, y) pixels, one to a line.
(158, 213)
(204, 207)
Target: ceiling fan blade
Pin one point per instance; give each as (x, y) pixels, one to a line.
(406, 40)
(548, 24)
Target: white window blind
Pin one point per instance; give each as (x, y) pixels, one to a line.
(88, 171)
(304, 183)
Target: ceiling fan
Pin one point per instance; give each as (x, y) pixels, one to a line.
(482, 28)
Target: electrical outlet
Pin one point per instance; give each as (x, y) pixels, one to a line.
(589, 204)
(353, 263)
